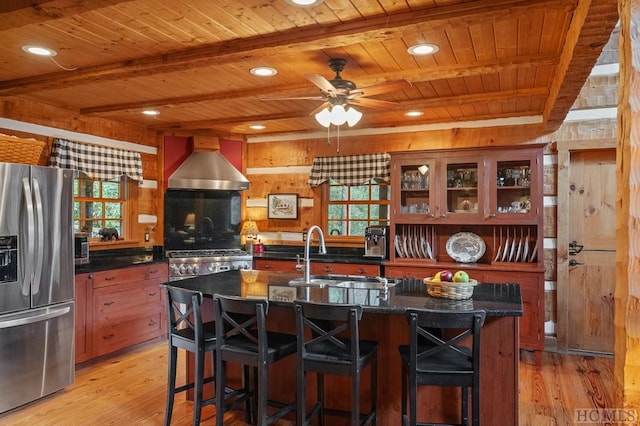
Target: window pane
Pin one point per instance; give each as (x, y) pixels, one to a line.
(76, 192)
(359, 192)
(337, 211)
(358, 211)
(110, 190)
(379, 211)
(114, 224)
(380, 192)
(337, 193)
(94, 209)
(113, 210)
(337, 228)
(357, 228)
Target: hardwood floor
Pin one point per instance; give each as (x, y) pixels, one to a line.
(130, 389)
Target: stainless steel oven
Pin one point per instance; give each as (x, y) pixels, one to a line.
(190, 263)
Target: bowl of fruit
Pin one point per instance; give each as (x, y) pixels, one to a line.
(447, 284)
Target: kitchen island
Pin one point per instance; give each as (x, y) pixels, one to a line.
(384, 321)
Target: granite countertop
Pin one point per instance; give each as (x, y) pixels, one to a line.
(104, 260)
(495, 299)
(334, 254)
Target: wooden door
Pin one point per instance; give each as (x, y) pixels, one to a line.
(591, 260)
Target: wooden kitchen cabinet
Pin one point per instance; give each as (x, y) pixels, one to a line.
(127, 307)
(494, 196)
(322, 268)
(83, 284)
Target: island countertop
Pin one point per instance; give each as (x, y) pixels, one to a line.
(384, 321)
(495, 299)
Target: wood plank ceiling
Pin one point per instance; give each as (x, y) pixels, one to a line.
(190, 59)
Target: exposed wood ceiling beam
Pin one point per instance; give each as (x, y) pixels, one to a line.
(482, 98)
(18, 13)
(313, 38)
(427, 74)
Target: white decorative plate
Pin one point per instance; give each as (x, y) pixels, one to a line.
(465, 247)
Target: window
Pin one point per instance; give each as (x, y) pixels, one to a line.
(98, 204)
(350, 209)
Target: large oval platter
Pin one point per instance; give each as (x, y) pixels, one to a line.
(466, 247)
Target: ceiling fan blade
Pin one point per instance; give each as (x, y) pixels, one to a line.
(323, 84)
(373, 103)
(385, 87)
(320, 108)
(312, 98)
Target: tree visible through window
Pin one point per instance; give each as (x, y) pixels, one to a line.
(350, 209)
(97, 204)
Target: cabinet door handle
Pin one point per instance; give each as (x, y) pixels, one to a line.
(328, 269)
(152, 293)
(109, 303)
(267, 266)
(154, 271)
(107, 337)
(111, 278)
(361, 271)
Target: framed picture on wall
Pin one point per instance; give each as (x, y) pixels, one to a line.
(282, 206)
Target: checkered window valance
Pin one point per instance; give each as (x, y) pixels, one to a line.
(350, 169)
(97, 162)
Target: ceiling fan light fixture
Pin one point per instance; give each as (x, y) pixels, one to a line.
(263, 71)
(324, 117)
(423, 49)
(353, 116)
(39, 50)
(338, 115)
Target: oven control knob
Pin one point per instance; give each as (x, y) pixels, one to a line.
(189, 269)
(174, 269)
(211, 267)
(196, 269)
(181, 269)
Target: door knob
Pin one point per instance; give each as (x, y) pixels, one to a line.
(574, 262)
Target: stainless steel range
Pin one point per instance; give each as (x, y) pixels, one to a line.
(189, 263)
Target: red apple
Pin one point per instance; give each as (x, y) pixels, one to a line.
(446, 275)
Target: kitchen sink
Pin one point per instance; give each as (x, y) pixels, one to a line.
(342, 281)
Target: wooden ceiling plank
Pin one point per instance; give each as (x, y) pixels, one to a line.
(378, 28)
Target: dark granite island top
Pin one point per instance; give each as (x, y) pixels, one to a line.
(495, 299)
(383, 321)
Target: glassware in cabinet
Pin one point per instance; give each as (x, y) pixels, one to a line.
(464, 177)
(415, 180)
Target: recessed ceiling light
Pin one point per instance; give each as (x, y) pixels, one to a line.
(257, 127)
(304, 3)
(413, 113)
(151, 112)
(423, 49)
(263, 71)
(39, 50)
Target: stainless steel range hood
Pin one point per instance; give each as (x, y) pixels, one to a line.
(207, 170)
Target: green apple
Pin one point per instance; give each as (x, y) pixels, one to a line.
(461, 277)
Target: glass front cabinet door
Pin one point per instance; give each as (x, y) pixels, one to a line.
(414, 180)
(463, 179)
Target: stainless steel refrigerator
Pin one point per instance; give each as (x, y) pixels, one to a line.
(36, 283)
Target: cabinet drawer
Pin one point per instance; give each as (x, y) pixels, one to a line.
(119, 336)
(275, 265)
(128, 275)
(114, 305)
(318, 268)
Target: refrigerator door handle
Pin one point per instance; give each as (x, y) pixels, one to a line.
(28, 266)
(39, 216)
(29, 318)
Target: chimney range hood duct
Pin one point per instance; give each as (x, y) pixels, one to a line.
(207, 170)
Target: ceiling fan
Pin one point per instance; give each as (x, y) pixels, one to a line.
(338, 93)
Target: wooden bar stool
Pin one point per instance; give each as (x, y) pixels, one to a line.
(243, 338)
(329, 343)
(433, 360)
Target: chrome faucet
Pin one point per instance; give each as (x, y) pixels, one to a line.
(385, 286)
(322, 250)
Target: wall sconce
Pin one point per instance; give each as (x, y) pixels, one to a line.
(190, 220)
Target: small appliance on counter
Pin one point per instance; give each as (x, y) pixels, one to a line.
(81, 248)
(376, 241)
